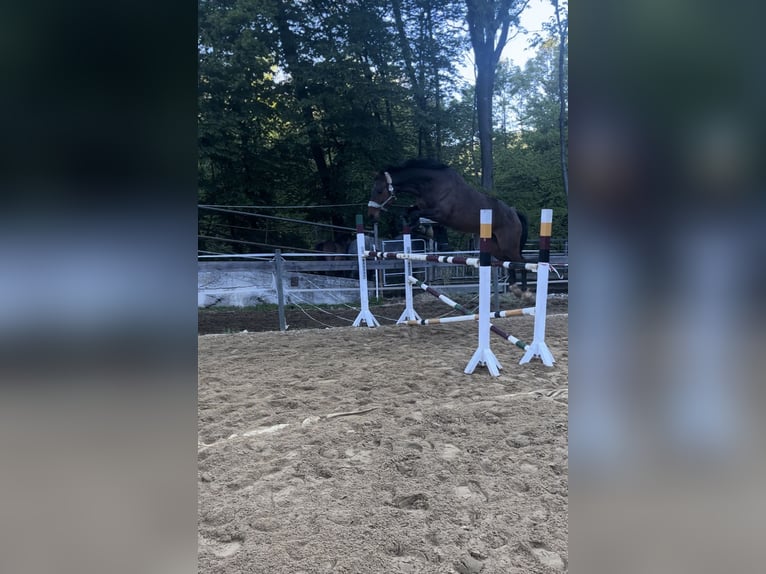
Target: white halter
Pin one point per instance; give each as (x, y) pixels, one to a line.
(391, 194)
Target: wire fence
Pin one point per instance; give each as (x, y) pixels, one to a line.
(303, 277)
(288, 232)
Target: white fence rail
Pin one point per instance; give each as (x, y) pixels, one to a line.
(255, 279)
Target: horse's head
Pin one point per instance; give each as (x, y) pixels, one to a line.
(382, 194)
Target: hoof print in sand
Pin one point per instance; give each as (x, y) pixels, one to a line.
(469, 565)
(417, 501)
(552, 560)
(222, 549)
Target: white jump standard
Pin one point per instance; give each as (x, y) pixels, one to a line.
(365, 314)
(540, 306)
(409, 313)
(483, 355)
(538, 348)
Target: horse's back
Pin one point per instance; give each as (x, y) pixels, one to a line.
(452, 202)
(503, 216)
(466, 202)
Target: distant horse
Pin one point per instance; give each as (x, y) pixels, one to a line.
(442, 195)
(333, 246)
(368, 246)
(420, 229)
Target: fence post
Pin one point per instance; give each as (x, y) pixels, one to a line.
(378, 272)
(280, 289)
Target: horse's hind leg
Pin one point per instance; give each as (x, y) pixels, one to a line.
(500, 244)
(512, 278)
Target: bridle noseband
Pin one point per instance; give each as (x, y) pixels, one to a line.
(391, 195)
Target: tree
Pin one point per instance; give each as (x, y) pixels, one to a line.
(528, 157)
(489, 22)
(429, 45)
(301, 101)
(562, 26)
(236, 98)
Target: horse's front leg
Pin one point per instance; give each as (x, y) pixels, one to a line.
(431, 214)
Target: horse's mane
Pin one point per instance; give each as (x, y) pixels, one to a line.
(420, 163)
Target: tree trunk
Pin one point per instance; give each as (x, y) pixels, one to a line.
(484, 88)
(485, 18)
(562, 103)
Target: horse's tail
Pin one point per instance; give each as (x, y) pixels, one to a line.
(524, 232)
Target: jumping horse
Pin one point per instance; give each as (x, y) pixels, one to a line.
(442, 195)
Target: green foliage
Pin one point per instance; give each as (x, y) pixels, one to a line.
(527, 153)
(302, 101)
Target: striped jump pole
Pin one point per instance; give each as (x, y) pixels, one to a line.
(441, 297)
(471, 316)
(510, 338)
(365, 314)
(474, 317)
(409, 313)
(538, 348)
(516, 265)
(451, 259)
(483, 354)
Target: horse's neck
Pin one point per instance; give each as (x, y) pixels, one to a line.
(410, 182)
(407, 188)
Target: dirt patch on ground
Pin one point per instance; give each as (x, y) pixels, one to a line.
(360, 451)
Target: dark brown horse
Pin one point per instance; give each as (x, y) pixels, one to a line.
(442, 195)
(333, 246)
